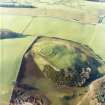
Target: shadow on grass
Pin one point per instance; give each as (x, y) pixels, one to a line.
(97, 0)
(8, 34)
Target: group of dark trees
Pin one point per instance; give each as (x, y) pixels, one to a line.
(68, 77)
(79, 75)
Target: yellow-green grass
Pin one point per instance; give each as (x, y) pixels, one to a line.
(92, 35)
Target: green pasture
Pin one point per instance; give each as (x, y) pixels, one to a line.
(53, 58)
(92, 35)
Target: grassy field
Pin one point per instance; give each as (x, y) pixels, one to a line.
(49, 25)
(12, 48)
(92, 35)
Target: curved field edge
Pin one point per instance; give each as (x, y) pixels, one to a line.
(11, 49)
